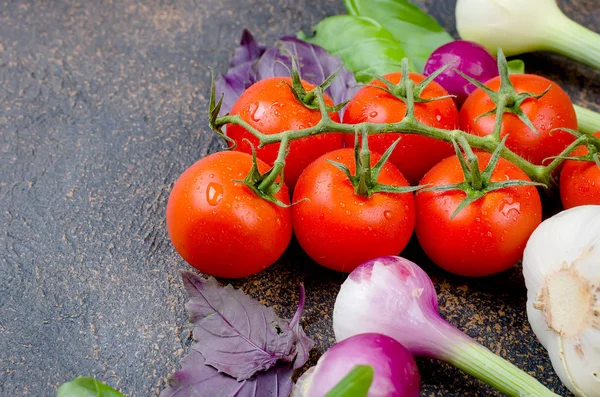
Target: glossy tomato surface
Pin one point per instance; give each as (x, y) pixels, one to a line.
(553, 110)
(486, 237)
(339, 229)
(580, 180)
(415, 154)
(270, 106)
(221, 227)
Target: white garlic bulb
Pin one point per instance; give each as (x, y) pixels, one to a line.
(561, 265)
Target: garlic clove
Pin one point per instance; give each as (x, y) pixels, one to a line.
(578, 362)
(588, 262)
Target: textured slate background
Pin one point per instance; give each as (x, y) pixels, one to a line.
(102, 106)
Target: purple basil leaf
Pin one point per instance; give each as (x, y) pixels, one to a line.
(236, 334)
(248, 51)
(196, 379)
(303, 342)
(235, 81)
(314, 65)
(251, 64)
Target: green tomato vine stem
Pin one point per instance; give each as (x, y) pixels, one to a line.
(278, 166)
(408, 125)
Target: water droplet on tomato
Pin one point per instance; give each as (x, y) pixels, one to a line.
(509, 205)
(211, 175)
(373, 115)
(214, 193)
(370, 228)
(348, 212)
(489, 234)
(256, 113)
(387, 214)
(342, 205)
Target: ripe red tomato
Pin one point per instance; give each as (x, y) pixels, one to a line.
(580, 180)
(553, 110)
(221, 227)
(339, 229)
(486, 237)
(270, 106)
(415, 154)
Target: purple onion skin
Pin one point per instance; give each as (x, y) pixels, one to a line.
(470, 58)
(396, 373)
(393, 296)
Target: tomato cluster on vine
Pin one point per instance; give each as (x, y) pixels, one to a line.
(350, 197)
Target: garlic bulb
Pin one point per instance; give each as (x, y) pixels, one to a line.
(561, 265)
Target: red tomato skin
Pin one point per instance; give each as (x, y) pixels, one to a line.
(270, 106)
(580, 180)
(486, 237)
(553, 110)
(340, 230)
(221, 227)
(415, 154)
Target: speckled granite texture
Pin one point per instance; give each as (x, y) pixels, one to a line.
(102, 106)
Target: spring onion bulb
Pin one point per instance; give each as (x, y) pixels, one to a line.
(519, 26)
(395, 297)
(395, 373)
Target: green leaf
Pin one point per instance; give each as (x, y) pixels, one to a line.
(516, 66)
(363, 45)
(415, 31)
(355, 384)
(86, 386)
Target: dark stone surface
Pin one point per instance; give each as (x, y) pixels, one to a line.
(102, 106)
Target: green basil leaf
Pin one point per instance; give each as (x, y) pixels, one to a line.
(516, 66)
(363, 45)
(85, 386)
(355, 384)
(417, 33)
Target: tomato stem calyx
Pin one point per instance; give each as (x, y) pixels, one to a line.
(266, 185)
(214, 108)
(402, 90)
(506, 99)
(591, 142)
(477, 183)
(364, 180)
(309, 98)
